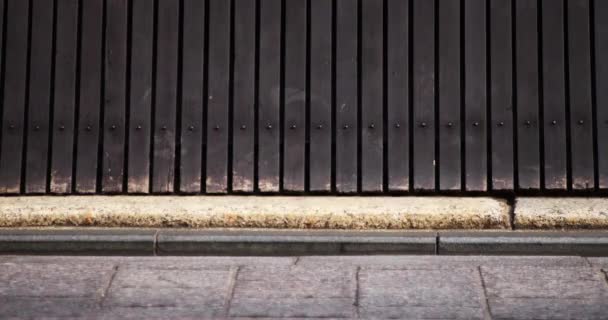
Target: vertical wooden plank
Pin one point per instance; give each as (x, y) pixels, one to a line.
(581, 116)
(397, 91)
(346, 95)
(41, 56)
(13, 109)
(423, 94)
(501, 94)
(526, 46)
(371, 95)
(475, 95)
(449, 74)
(244, 95)
(65, 96)
(114, 95)
(601, 90)
(141, 91)
(89, 112)
(554, 95)
(269, 89)
(163, 171)
(192, 95)
(218, 96)
(294, 155)
(320, 95)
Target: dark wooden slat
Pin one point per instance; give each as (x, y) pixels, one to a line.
(269, 94)
(192, 96)
(141, 92)
(114, 96)
(601, 73)
(423, 94)
(65, 96)
(89, 111)
(218, 96)
(371, 95)
(294, 160)
(475, 95)
(581, 118)
(501, 94)
(320, 95)
(397, 90)
(346, 95)
(527, 94)
(554, 95)
(449, 95)
(244, 96)
(163, 170)
(14, 95)
(39, 96)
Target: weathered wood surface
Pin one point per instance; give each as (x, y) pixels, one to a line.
(271, 96)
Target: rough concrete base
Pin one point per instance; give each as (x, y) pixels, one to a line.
(561, 213)
(256, 212)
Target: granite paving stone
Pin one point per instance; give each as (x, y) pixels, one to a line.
(156, 313)
(420, 294)
(54, 280)
(549, 309)
(295, 292)
(170, 288)
(601, 262)
(533, 292)
(372, 287)
(296, 308)
(535, 282)
(42, 307)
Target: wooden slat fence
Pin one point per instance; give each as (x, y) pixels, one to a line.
(303, 96)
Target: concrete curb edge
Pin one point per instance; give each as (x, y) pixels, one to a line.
(252, 242)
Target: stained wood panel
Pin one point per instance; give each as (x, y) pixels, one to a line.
(64, 96)
(347, 103)
(527, 94)
(397, 94)
(601, 90)
(14, 95)
(141, 96)
(475, 95)
(90, 93)
(269, 92)
(579, 88)
(321, 104)
(501, 94)
(218, 96)
(372, 103)
(295, 96)
(554, 95)
(39, 99)
(165, 99)
(303, 96)
(244, 96)
(192, 68)
(115, 96)
(423, 94)
(450, 86)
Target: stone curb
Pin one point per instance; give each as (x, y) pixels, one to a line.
(250, 242)
(280, 212)
(294, 242)
(560, 213)
(581, 243)
(78, 241)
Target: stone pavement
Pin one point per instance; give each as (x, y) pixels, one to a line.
(366, 287)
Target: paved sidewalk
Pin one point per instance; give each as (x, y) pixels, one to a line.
(366, 287)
